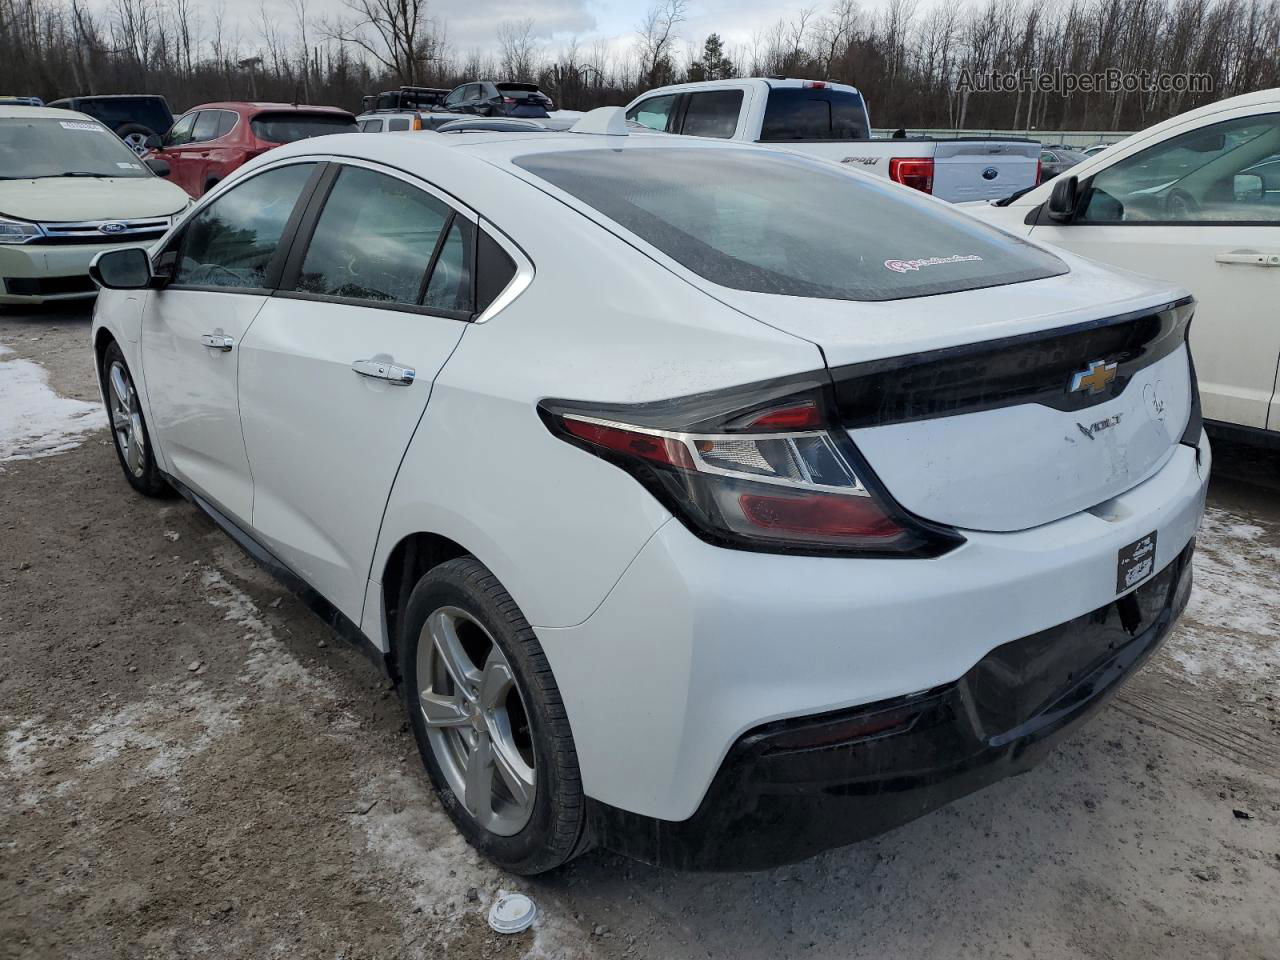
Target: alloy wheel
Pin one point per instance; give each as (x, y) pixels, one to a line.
(476, 721)
(137, 143)
(126, 419)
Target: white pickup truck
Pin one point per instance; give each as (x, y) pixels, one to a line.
(829, 120)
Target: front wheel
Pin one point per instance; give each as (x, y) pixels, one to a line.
(129, 427)
(489, 721)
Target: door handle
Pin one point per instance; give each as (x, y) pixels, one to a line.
(1252, 258)
(382, 370)
(217, 341)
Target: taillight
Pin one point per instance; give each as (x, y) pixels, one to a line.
(915, 172)
(1039, 171)
(815, 85)
(759, 474)
(508, 99)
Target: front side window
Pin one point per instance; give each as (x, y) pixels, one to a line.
(38, 147)
(653, 113)
(777, 223)
(713, 113)
(231, 242)
(181, 131)
(1220, 174)
(374, 240)
(206, 127)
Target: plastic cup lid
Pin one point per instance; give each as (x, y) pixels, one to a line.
(512, 913)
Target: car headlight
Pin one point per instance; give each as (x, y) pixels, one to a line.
(18, 231)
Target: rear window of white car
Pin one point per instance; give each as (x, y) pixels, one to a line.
(770, 223)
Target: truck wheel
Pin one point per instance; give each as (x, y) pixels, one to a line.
(135, 136)
(489, 721)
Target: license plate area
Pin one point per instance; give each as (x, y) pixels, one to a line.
(1135, 563)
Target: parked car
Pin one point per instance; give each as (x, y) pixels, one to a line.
(829, 120)
(21, 102)
(134, 117)
(1096, 148)
(68, 190)
(405, 99)
(1192, 200)
(210, 141)
(608, 446)
(505, 99)
(1057, 160)
(393, 121)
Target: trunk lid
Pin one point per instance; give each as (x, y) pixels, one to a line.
(963, 404)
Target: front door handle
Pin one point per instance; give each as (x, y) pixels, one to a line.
(1252, 258)
(217, 341)
(383, 370)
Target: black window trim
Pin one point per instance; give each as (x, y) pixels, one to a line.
(278, 260)
(304, 230)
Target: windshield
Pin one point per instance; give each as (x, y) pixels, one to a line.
(773, 223)
(40, 147)
(288, 127)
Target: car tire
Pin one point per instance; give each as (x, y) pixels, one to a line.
(129, 433)
(135, 136)
(498, 748)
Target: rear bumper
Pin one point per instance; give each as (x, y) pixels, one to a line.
(795, 787)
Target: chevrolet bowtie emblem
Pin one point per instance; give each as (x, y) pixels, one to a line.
(1095, 379)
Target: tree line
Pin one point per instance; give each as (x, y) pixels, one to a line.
(908, 58)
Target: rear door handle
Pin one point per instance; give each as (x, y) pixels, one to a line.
(217, 341)
(1251, 258)
(383, 370)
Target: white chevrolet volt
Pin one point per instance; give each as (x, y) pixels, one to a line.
(711, 504)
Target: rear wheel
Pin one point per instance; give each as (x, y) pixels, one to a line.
(489, 721)
(129, 426)
(135, 137)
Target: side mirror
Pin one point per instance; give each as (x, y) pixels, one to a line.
(159, 166)
(1062, 202)
(1247, 187)
(127, 269)
(153, 142)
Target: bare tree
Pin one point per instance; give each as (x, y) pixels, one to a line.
(657, 35)
(517, 49)
(392, 32)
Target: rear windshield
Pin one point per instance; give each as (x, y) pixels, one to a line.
(73, 147)
(774, 223)
(288, 127)
(149, 112)
(796, 113)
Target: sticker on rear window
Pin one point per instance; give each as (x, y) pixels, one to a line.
(81, 125)
(905, 266)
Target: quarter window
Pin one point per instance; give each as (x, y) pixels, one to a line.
(231, 242)
(653, 113)
(713, 113)
(1226, 173)
(374, 240)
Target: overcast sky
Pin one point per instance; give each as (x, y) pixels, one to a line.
(473, 23)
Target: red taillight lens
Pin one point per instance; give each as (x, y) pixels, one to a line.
(826, 515)
(773, 476)
(1039, 170)
(508, 100)
(815, 84)
(914, 172)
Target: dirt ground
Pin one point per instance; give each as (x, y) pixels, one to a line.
(192, 766)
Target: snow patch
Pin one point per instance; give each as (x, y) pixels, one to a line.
(1232, 624)
(34, 420)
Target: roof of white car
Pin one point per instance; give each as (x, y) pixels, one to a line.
(12, 112)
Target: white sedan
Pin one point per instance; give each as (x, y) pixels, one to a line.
(710, 503)
(1194, 200)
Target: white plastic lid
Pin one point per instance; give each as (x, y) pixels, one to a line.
(512, 913)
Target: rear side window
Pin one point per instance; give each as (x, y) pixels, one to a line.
(777, 223)
(206, 127)
(371, 126)
(226, 121)
(374, 240)
(289, 127)
(450, 285)
(713, 113)
(231, 242)
(398, 123)
(796, 113)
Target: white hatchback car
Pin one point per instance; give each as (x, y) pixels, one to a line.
(710, 503)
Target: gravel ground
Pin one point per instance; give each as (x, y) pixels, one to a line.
(192, 766)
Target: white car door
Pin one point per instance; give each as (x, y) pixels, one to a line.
(1201, 208)
(337, 369)
(222, 266)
